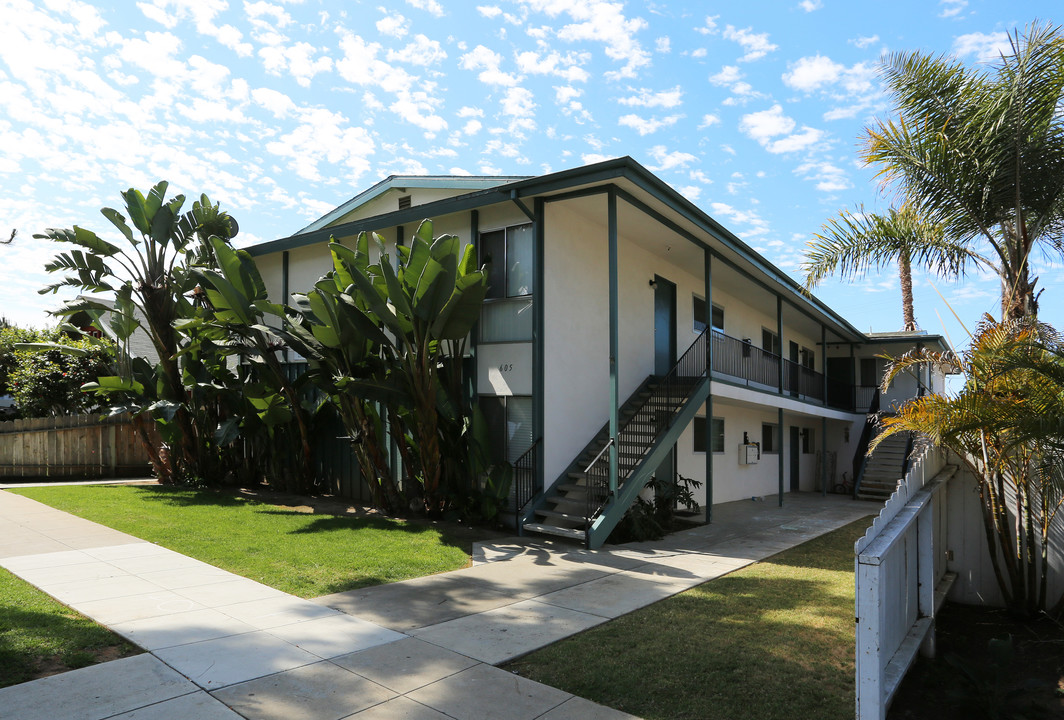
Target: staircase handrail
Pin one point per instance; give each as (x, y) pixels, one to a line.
(525, 477)
(598, 485)
(693, 363)
(860, 457)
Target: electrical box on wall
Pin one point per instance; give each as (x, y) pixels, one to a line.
(749, 453)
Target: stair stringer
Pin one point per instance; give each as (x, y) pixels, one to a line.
(616, 507)
(542, 500)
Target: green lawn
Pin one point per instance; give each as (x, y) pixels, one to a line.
(300, 553)
(41, 636)
(773, 640)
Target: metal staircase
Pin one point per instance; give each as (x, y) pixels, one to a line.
(884, 469)
(580, 504)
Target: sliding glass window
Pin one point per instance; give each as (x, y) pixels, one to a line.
(507, 314)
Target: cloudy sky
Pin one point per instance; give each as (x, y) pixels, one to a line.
(283, 110)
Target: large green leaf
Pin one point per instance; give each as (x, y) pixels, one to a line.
(119, 221)
(434, 289)
(462, 311)
(240, 269)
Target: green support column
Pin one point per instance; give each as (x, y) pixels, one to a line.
(779, 454)
(824, 456)
(824, 360)
(856, 377)
(474, 335)
(538, 338)
(615, 421)
(779, 422)
(709, 377)
(779, 334)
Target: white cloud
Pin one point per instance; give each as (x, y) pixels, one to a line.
(710, 26)
(430, 6)
(708, 121)
(600, 21)
(645, 126)
(810, 5)
(752, 223)
(952, 8)
(982, 46)
(670, 160)
(764, 125)
(649, 99)
(663, 45)
(467, 111)
(828, 177)
(568, 67)
(277, 103)
(756, 45)
(727, 75)
(698, 53)
(487, 61)
(421, 51)
(395, 26)
(489, 11)
(864, 41)
(767, 126)
(472, 127)
(810, 73)
(518, 102)
(297, 59)
(203, 13)
(323, 136)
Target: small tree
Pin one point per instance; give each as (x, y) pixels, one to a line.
(1007, 426)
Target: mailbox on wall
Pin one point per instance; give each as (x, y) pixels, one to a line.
(749, 453)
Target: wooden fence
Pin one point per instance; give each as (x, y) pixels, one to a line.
(71, 447)
(902, 572)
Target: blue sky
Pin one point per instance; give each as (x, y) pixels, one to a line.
(283, 110)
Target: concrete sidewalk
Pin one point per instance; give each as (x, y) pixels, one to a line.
(222, 646)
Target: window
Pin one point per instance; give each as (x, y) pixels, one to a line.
(770, 342)
(870, 375)
(700, 435)
(509, 421)
(507, 313)
(769, 438)
(700, 315)
(808, 441)
(808, 358)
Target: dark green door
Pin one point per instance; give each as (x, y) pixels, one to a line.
(664, 325)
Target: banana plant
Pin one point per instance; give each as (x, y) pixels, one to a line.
(431, 299)
(146, 271)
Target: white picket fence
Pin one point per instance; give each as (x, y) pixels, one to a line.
(902, 576)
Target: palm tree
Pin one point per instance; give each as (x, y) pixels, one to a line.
(851, 244)
(1006, 425)
(981, 154)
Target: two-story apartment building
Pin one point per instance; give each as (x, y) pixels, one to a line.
(628, 333)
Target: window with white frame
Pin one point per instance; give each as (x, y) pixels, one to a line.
(510, 256)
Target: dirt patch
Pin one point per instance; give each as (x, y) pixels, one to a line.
(56, 664)
(979, 673)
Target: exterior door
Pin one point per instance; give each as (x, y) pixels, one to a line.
(796, 442)
(664, 326)
(665, 353)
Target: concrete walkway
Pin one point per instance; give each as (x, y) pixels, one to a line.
(222, 646)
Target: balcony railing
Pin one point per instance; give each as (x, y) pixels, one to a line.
(743, 361)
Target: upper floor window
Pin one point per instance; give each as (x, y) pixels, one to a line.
(510, 256)
(510, 253)
(699, 312)
(770, 342)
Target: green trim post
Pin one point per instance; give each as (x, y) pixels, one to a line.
(779, 454)
(539, 299)
(615, 420)
(779, 337)
(709, 376)
(823, 456)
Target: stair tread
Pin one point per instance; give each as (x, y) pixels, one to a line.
(572, 533)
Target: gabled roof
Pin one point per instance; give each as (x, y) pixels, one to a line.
(618, 171)
(461, 183)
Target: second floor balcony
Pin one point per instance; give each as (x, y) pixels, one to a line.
(742, 362)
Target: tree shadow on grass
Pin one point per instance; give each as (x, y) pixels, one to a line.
(52, 643)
